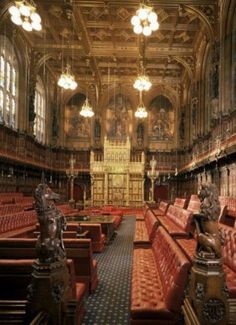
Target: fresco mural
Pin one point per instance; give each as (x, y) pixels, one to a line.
(119, 117)
(76, 126)
(161, 119)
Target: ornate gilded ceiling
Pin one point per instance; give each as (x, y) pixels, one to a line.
(74, 31)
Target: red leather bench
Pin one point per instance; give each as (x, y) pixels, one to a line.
(94, 233)
(162, 209)
(177, 221)
(80, 250)
(6, 209)
(181, 203)
(228, 252)
(15, 276)
(145, 230)
(159, 276)
(229, 216)
(8, 198)
(17, 224)
(140, 215)
(26, 202)
(194, 203)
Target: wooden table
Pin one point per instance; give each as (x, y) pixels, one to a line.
(106, 221)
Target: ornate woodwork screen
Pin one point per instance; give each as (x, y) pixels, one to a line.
(116, 179)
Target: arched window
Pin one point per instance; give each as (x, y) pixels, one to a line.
(8, 83)
(39, 124)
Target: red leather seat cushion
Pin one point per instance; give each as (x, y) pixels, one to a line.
(172, 228)
(147, 299)
(188, 246)
(80, 291)
(141, 233)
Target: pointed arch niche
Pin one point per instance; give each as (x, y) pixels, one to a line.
(161, 122)
(77, 129)
(119, 117)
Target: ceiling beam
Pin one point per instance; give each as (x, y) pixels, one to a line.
(79, 25)
(51, 30)
(132, 3)
(163, 26)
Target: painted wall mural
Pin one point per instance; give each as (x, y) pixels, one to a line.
(76, 126)
(161, 119)
(119, 117)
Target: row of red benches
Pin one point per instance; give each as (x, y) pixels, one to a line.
(17, 198)
(159, 276)
(15, 277)
(151, 299)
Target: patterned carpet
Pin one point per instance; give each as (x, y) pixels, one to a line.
(110, 303)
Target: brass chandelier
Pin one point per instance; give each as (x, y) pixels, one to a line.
(24, 14)
(145, 21)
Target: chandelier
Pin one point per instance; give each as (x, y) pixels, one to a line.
(67, 79)
(141, 110)
(145, 21)
(142, 83)
(86, 109)
(24, 14)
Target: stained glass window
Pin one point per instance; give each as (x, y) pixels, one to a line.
(39, 125)
(8, 83)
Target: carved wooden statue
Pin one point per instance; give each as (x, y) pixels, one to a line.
(206, 296)
(51, 288)
(50, 247)
(208, 236)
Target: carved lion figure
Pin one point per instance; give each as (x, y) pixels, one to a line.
(49, 246)
(208, 236)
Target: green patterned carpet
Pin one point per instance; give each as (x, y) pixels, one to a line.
(110, 303)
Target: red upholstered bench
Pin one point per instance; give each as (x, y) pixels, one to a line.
(177, 221)
(181, 203)
(194, 203)
(228, 252)
(228, 216)
(145, 230)
(80, 250)
(96, 235)
(17, 224)
(140, 216)
(162, 209)
(15, 276)
(159, 277)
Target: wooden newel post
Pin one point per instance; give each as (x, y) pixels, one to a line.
(206, 301)
(50, 290)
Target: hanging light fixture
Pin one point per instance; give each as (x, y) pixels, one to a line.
(24, 14)
(145, 21)
(141, 110)
(142, 83)
(86, 109)
(67, 79)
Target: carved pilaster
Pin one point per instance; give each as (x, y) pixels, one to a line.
(106, 188)
(32, 88)
(127, 189)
